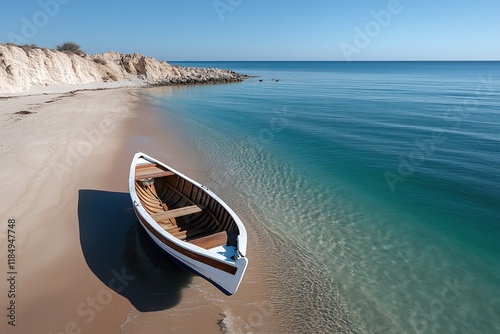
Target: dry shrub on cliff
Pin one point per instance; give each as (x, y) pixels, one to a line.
(100, 61)
(70, 47)
(109, 76)
(30, 46)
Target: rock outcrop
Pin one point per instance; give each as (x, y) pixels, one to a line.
(23, 68)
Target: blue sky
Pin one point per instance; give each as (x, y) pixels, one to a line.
(262, 29)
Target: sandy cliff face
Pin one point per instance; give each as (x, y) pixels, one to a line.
(23, 68)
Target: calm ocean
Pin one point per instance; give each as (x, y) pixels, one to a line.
(387, 172)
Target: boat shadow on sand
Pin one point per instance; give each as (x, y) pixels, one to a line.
(121, 255)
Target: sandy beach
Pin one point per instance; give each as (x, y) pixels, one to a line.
(65, 160)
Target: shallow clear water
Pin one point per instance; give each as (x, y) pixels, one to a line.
(386, 172)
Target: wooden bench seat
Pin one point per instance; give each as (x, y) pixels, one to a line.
(150, 171)
(211, 241)
(184, 211)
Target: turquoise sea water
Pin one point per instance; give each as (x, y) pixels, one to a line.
(388, 172)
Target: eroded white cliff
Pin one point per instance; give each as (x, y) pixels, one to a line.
(23, 68)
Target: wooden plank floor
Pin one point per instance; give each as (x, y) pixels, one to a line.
(211, 241)
(150, 170)
(184, 211)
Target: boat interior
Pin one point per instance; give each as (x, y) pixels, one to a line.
(184, 209)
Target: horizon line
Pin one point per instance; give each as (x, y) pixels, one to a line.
(345, 61)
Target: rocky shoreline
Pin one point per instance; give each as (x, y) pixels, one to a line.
(207, 76)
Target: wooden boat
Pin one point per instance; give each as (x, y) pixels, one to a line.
(189, 222)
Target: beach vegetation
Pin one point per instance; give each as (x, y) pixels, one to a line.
(100, 61)
(30, 46)
(109, 76)
(70, 47)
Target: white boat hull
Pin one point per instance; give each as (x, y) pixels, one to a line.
(223, 266)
